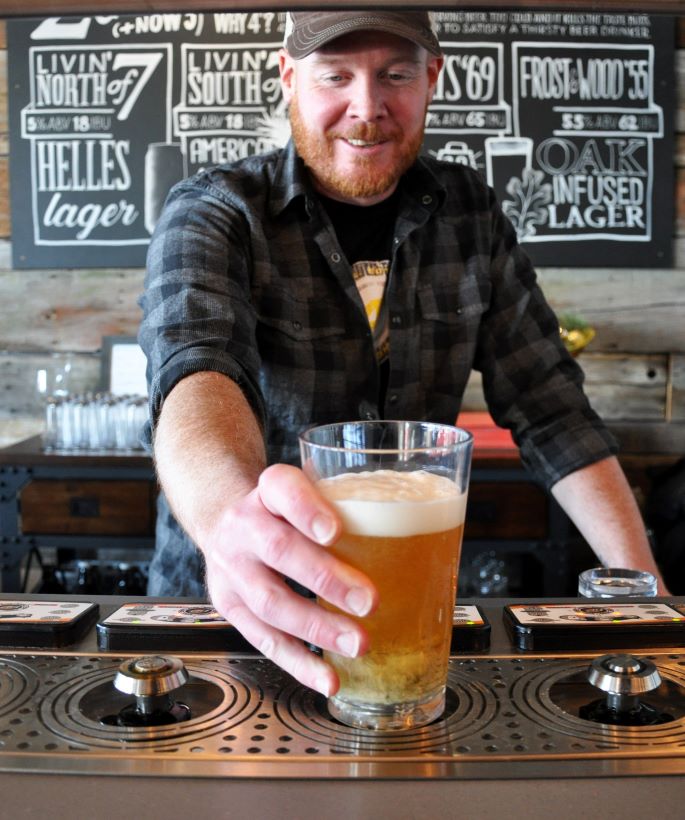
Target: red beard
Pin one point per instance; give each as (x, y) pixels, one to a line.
(367, 180)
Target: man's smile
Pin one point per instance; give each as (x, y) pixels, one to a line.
(363, 143)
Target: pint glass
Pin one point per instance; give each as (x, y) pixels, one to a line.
(400, 488)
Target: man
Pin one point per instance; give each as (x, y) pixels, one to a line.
(343, 278)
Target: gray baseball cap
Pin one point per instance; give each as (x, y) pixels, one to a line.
(307, 31)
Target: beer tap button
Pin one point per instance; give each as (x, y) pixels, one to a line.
(623, 675)
(150, 675)
(623, 664)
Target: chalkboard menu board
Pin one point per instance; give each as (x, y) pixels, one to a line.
(569, 115)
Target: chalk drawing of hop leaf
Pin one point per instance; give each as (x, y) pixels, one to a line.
(526, 208)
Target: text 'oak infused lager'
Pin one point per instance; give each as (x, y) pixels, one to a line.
(402, 501)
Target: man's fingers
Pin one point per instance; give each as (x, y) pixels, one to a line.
(285, 651)
(257, 533)
(314, 567)
(273, 603)
(287, 492)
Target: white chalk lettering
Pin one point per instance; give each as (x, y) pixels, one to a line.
(597, 216)
(557, 155)
(224, 88)
(215, 150)
(586, 79)
(83, 165)
(87, 217)
(613, 190)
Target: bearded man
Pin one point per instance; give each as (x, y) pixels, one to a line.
(343, 277)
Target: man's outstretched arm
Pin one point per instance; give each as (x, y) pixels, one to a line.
(256, 525)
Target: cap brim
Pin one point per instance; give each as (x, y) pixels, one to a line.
(308, 37)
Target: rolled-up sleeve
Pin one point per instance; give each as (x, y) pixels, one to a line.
(531, 384)
(197, 312)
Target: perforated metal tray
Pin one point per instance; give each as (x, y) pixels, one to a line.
(505, 717)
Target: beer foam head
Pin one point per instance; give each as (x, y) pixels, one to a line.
(395, 504)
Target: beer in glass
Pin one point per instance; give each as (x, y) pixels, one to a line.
(400, 489)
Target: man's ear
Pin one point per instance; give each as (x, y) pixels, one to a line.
(286, 69)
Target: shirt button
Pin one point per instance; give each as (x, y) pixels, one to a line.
(426, 199)
(396, 240)
(335, 257)
(396, 320)
(367, 411)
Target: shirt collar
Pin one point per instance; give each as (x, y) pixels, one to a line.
(423, 186)
(290, 180)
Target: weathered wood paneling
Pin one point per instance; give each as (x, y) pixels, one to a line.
(678, 389)
(627, 387)
(21, 404)
(615, 402)
(67, 310)
(631, 310)
(649, 372)
(18, 376)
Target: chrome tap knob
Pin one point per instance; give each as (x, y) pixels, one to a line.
(150, 675)
(624, 678)
(151, 679)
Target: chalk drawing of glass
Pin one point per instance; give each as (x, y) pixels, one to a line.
(164, 166)
(506, 157)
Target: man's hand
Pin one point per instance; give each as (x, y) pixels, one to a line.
(255, 525)
(283, 527)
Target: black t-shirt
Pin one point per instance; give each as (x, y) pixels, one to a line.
(365, 234)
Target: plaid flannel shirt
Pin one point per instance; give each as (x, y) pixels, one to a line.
(246, 277)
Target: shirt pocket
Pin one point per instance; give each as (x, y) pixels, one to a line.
(299, 328)
(452, 303)
(300, 320)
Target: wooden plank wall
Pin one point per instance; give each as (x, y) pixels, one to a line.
(635, 367)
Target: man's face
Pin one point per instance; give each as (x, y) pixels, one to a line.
(357, 112)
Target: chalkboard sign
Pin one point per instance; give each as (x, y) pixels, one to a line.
(569, 115)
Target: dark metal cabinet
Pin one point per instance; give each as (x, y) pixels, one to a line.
(81, 501)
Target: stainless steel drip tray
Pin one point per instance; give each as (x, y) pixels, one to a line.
(505, 718)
